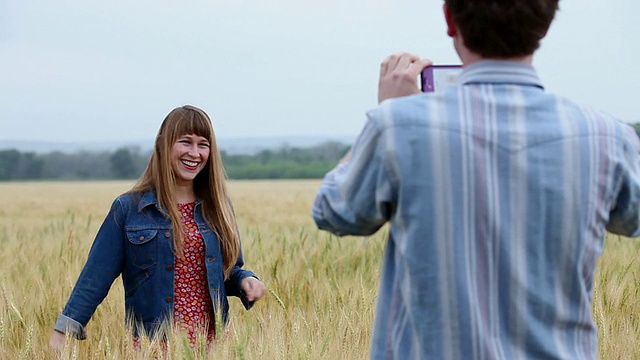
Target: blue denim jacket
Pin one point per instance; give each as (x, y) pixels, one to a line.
(136, 240)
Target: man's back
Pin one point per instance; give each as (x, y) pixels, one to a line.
(498, 195)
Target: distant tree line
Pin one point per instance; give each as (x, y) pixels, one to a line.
(129, 162)
(636, 127)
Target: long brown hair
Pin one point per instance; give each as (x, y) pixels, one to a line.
(209, 185)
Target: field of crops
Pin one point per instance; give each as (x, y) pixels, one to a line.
(322, 289)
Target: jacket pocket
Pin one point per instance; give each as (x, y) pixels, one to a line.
(143, 247)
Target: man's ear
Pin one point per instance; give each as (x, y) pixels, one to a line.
(452, 29)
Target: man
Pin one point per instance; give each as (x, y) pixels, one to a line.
(499, 196)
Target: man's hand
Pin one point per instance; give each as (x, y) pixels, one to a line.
(398, 75)
(253, 288)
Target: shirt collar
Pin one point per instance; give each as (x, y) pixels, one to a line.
(499, 72)
(149, 198)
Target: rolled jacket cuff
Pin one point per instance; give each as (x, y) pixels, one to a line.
(70, 327)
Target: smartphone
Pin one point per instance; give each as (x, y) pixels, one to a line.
(437, 77)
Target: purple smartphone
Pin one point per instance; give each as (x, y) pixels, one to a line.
(437, 77)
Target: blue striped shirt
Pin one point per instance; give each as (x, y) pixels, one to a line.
(499, 196)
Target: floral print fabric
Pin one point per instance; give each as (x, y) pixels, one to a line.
(193, 310)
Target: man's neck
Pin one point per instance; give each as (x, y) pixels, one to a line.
(468, 57)
(527, 60)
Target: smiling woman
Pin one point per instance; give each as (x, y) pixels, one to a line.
(173, 237)
(190, 154)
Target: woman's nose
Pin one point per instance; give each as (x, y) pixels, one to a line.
(193, 150)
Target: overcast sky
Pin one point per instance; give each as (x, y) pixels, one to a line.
(78, 70)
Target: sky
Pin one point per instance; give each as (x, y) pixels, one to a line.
(89, 71)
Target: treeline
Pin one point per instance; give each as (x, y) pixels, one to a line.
(128, 163)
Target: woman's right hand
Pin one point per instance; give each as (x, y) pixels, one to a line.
(56, 341)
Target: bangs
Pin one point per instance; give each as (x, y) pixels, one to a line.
(196, 123)
(190, 120)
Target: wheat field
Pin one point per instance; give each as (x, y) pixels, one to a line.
(322, 289)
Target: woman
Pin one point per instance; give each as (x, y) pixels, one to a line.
(174, 239)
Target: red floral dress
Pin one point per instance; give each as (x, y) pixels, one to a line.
(193, 310)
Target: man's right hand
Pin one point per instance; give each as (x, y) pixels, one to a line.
(398, 75)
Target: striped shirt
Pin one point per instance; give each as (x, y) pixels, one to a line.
(499, 196)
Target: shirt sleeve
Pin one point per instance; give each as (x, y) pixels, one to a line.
(624, 218)
(357, 197)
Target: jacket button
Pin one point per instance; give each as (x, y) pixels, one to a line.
(141, 237)
(210, 259)
(169, 299)
(167, 234)
(170, 267)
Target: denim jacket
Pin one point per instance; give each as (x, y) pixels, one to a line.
(136, 240)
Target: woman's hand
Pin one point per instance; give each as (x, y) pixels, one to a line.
(56, 340)
(253, 288)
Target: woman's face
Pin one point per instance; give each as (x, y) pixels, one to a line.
(189, 156)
